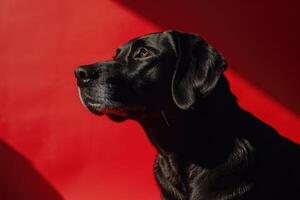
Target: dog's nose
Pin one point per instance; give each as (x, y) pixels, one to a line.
(85, 74)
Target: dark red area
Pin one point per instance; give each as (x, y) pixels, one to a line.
(260, 39)
(50, 142)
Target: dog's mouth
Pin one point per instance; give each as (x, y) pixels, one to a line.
(115, 110)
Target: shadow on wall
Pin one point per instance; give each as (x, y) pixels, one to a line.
(260, 39)
(19, 180)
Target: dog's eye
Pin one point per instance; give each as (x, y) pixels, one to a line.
(142, 53)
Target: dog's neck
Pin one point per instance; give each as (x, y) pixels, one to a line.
(203, 135)
(196, 137)
(204, 139)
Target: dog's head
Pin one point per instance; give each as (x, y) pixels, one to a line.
(150, 71)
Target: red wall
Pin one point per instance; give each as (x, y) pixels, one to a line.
(51, 147)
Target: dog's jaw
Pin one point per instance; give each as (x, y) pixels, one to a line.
(115, 110)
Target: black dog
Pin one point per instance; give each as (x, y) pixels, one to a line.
(209, 148)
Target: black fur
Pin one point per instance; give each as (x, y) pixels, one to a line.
(209, 148)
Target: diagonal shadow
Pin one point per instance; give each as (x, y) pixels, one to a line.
(19, 180)
(258, 38)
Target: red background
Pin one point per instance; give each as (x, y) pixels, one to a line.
(51, 147)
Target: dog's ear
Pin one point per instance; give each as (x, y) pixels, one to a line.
(197, 71)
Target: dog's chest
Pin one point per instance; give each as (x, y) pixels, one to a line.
(186, 181)
(177, 179)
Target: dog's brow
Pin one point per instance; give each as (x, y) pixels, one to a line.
(139, 43)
